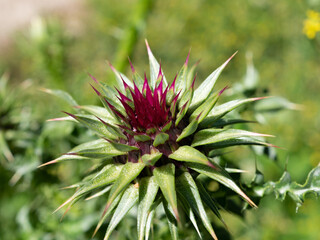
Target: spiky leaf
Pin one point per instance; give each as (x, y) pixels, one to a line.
(62, 95)
(172, 221)
(151, 216)
(189, 190)
(107, 212)
(154, 69)
(151, 159)
(108, 150)
(217, 137)
(98, 111)
(221, 110)
(186, 207)
(206, 87)
(220, 176)
(165, 177)
(189, 154)
(160, 138)
(106, 176)
(206, 107)
(188, 130)
(101, 127)
(128, 173)
(147, 192)
(296, 191)
(181, 81)
(96, 144)
(120, 78)
(128, 200)
(208, 200)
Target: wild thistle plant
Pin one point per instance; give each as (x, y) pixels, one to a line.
(158, 142)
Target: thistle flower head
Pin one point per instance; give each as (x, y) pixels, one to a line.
(157, 143)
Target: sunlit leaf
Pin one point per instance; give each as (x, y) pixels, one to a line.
(206, 87)
(189, 190)
(154, 69)
(128, 173)
(221, 137)
(220, 176)
(172, 221)
(128, 200)
(189, 154)
(165, 177)
(147, 192)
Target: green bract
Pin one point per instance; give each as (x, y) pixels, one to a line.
(154, 141)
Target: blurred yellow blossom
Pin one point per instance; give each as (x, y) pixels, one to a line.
(312, 24)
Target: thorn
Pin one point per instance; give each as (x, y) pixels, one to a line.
(93, 78)
(259, 98)
(212, 166)
(123, 97)
(226, 87)
(63, 204)
(213, 235)
(125, 85)
(111, 66)
(95, 231)
(173, 83)
(147, 44)
(187, 59)
(231, 57)
(275, 146)
(265, 135)
(197, 118)
(64, 214)
(177, 215)
(58, 119)
(101, 120)
(97, 92)
(100, 223)
(47, 163)
(185, 105)
(132, 68)
(194, 80)
(71, 115)
(160, 71)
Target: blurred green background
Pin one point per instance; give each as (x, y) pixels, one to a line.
(56, 50)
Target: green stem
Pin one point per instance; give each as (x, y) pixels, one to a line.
(131, 34)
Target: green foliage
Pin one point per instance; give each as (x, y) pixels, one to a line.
(47, 46)
(285, 186)
(287, 63)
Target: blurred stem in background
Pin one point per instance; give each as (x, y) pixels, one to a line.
(131, 34)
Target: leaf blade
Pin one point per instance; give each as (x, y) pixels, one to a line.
(128, 173)
(206, 87)
(128, 200)
(189, 154)
(189, 190)
(215, 136)
(165, 177)
(222, 177)
(147, 192)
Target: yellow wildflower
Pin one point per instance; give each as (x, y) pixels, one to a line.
(312, 24)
